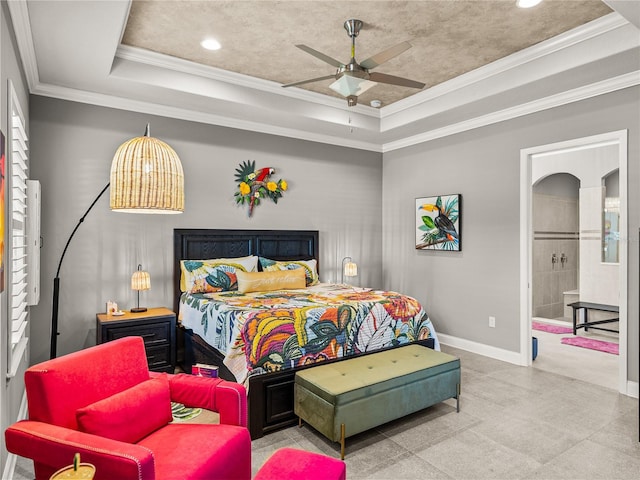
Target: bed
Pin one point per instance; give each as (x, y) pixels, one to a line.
(261, 338)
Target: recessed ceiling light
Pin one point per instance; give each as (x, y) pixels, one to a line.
(376, 103)
(210, 44)
(527, 3)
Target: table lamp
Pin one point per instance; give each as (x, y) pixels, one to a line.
(140, 280)
(349, 269)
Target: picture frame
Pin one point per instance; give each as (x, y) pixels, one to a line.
(438, 220)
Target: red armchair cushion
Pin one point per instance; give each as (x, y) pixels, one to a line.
(130, 415)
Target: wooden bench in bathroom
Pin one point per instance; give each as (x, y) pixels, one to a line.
(344, 398)
(586, 306)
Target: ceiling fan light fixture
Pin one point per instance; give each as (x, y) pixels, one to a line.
(348, 86)
(527, 3)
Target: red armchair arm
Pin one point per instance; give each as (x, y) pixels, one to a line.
(227, 398)
(52, 447)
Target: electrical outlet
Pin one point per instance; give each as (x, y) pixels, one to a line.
(492, 322)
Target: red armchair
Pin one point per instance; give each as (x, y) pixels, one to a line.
(105, 404)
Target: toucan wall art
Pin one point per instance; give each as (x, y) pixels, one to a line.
(255, 185)
(438, 223)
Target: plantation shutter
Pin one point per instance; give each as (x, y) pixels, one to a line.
(16, 223)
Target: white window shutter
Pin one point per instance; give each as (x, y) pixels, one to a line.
(16, 224)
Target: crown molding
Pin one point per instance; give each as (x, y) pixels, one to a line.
(112, 101)
(22, 28)
(570, 96)
(562, 41)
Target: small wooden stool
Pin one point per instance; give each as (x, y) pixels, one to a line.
(293, 464)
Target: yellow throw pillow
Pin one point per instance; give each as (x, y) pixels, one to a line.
(269, 281)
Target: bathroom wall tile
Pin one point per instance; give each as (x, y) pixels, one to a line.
(537, 212)
(546, 288)
(538, 256)
(555, 287)
(558, 310)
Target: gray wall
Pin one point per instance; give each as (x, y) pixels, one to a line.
(461, 290)
(334, 190)
(12, 389)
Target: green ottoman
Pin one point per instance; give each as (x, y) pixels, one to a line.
(344, 398)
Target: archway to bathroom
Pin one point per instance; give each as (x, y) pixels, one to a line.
(557, 237)
(574, 247)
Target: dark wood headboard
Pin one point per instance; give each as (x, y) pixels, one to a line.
(201, 244)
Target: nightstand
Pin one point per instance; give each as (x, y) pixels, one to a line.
(157, 326)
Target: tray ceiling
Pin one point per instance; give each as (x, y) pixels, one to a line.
(483, 61)
(258, 38)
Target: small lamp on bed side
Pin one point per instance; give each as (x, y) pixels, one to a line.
(349, 269)
(140, 281)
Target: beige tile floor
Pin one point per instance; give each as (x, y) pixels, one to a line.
(515, 423)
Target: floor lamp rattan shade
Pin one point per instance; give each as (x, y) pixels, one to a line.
(146, 177)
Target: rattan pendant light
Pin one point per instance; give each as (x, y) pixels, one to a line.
(146, 177)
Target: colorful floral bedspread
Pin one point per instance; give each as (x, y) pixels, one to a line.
(270, 331)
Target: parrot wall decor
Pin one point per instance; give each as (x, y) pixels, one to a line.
(438, 223)
(256, 185)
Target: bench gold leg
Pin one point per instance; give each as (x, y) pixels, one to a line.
(342, 441)
(299, 422)
(458, 399)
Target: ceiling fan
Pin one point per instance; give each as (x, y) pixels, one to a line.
(353, 78)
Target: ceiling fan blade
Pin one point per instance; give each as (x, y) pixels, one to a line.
(385, 55)
(321, 56)
(326, 77)
(392, 80)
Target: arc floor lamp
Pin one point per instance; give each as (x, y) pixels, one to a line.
(146, 177)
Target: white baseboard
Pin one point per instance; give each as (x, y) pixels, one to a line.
(481, 349)
(12, 459)
(633, 388)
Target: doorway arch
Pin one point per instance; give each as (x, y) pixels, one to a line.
(544, 155)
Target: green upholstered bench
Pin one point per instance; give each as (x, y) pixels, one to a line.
(344, 398)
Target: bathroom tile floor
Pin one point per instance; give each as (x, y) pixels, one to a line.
(579, 363)
(514, 423)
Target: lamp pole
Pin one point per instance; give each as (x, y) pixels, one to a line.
(56, 281)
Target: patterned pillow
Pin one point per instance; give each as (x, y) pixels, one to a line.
(215, 275)
(310, 268)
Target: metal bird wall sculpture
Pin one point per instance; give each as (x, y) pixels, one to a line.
(254, 185)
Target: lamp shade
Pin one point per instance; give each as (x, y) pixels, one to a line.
(140, 280)
(350, 269)
(146, 177)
